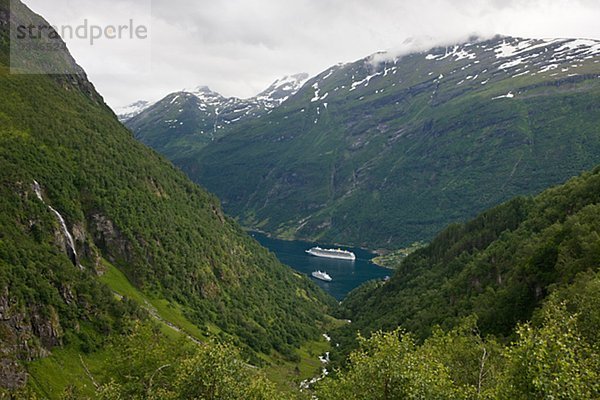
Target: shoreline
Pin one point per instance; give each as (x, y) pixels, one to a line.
(375, 253)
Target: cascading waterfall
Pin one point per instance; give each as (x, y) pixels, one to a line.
(67, 235)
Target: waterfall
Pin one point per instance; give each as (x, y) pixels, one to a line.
(67, 235)
(38, 191)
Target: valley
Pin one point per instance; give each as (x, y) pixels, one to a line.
(158, 251)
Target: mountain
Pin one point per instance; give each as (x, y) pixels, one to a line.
(127, 112)
(386, 151)
(97, 230)
(192, 118)
(499, 266)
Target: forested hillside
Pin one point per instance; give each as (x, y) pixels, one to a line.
(554, 357)
(77, 192)
(500, 266)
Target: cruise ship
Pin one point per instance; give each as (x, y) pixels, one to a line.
(324, 276)
(332, 253)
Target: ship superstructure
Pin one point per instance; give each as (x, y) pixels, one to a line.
(338, 254)
(324, 276)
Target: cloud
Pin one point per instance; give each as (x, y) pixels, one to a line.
(424, 43)
(238, 47)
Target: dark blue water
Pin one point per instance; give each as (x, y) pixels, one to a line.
(346, 275)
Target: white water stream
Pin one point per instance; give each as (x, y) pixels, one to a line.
(68, 237)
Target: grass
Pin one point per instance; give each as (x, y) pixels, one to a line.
(167, 311)
(287, 375)
(394, 259)
(52, 385)
(51, 376)
(117, 281)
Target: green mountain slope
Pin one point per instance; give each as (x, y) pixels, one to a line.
(76, 188)
(387, 151)
(499, 266)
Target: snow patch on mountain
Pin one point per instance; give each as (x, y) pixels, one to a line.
(458, 53)
(317, 91)
(207, 96)
(365, 81)
(518, 57)
(509, 95)
(511, 64)
(589, 47)
(516, 47)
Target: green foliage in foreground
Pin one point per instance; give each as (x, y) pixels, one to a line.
(554, 359)
(149, 367)
(145, 364)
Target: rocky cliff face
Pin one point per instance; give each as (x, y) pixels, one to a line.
(25, 335)
(108, 238)
(12, 374)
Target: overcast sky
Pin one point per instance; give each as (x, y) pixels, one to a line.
(238, 47)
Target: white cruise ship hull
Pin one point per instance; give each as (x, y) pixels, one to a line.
(322, 276)
(333, 255)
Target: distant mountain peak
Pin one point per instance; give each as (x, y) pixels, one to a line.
(201, 90)
(282, 89)
(295, 79)
(131, 110)
(202, 112)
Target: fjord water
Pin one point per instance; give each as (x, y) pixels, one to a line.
(347, 275)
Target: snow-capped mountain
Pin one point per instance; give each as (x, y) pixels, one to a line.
(200, 114)
(445, 133)
(456, 69)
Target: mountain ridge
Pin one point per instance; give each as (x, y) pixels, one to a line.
(279, 91)
(197, 116)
